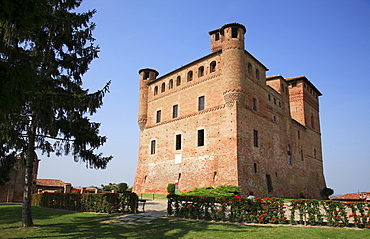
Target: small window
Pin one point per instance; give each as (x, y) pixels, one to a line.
(314, 154)
(289, 153)
(152, 147)
(201, 137)
(254, 104)
(258, 74)
(250, 69)
(299, 134)
(163, 88)
(255, 167)
(212, 66)
(178, 81)
(146, 74)
(201, 102)
(170, 84)
(234, 32)
(217, 36)
(201, 71)
(190, 75)
(302, 155)
(255, 138)
(312, 122)
(158, 116)
(156, 90)
(178, 142)
(175, 110)
(269, 183)
(269, 97)
(275, 101)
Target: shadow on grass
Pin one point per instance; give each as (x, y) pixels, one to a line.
(51, 223)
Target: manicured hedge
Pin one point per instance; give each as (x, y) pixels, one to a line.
(89, 202)
(271, 210)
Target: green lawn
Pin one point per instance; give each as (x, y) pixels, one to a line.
(52, 223)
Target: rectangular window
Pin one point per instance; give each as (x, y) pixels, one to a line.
(201, 101)
(234, 32)
(254, 104)
(299, 134)
(255, 138)
(255, 167)
(158, 118)
(152, 147)
(175, 110)
(178, 142)
(289, 152)
(269, 183)
(201, 137)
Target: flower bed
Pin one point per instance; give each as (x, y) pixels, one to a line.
(271, 210)
(89, 202)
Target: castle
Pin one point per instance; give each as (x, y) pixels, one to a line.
(220, 120)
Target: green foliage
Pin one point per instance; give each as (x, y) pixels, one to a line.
(45, 49)
(327, 191)
(89, 202)
(219, 192)
(271, 210)
(120, 187)
(171, 188)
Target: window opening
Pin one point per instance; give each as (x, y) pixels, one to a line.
(156, 90)
(269, 183)
(249, 68)
(201, 137)
(258, 74)
(254, 104)
(217, 36)
(175, 110)
(234, 32)
(163, 88)
(255, 138)
(170, 84)
(255, 167)
(201, 102)
(178, 142)
(158, 118)
(152, 147)
(213, 66)
(178, 81)
(190, 75)
(289, 153)
(201, 71)
(146, 74)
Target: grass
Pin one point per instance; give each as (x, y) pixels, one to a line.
(152, 196)
(52, 223)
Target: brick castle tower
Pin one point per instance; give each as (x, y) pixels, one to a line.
(219, 120)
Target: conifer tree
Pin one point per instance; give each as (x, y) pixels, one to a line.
(45, 48)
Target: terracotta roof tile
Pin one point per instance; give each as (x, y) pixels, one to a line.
(50, 182)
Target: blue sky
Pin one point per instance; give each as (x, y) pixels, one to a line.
(328, 41)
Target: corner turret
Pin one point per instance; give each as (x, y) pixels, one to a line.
(146, 75)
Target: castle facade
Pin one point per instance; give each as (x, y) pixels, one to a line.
(220, 120)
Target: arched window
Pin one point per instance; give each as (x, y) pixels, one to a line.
(212, 66)
(190, 75)
(156, 90)
(250, 68)
(170, 84)
(178, 81)
(258, 74)
(163, 88)
(201, 71)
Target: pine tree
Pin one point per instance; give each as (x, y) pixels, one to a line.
(45, 48)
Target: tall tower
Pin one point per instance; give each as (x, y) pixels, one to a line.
(146, 75)
(230, 39)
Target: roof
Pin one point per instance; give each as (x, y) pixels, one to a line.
(352, 196)
(299, 78)
(50, 182)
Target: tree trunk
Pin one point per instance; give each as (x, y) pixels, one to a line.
(28, 181)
